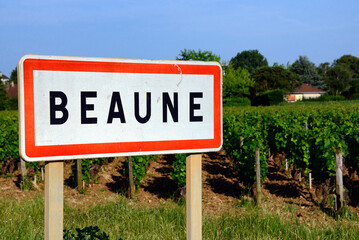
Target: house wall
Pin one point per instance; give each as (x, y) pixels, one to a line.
(301, 96)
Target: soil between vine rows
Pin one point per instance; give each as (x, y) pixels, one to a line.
(221, 189)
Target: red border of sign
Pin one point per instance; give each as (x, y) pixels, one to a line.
(122, 148)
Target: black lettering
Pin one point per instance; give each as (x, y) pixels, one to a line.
(116, 100)
(58, 108)
(87, 107)
(166, 103)
(148, 108)
(193, 106)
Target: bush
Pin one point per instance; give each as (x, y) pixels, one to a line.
(268, 98)
(12, 103)
(179, 169)
(355, 96)
(9, 143)
(236, 101)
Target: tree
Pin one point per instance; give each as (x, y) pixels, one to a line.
(349, 62)
(236, 82)
(249, 60)
(3, 98)
(13, 76)
(198, 55)
(269, 78)
(338, 79)
(307, 72)
(323, 69)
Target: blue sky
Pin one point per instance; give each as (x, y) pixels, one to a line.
(281, 30)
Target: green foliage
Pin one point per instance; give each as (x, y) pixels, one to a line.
(249, 60)
(323, 69)
(355, 96)
(13, 76)
(236, 101)
(6, 103)
(236, 82)
(12, 103)
(308, 72)
(198, 55)
(350, 63)
(269, 98)
(247, 127)
(353, 89)
(9, 139)
(309, 135)
(269, 78)
(91, 232)
(338, 79)
(3, 98)
(90, 168)
(139, 167)
(179, 169)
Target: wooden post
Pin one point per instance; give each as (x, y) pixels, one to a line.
(194, 196)
(54, 200)
(79, 175)
(310, 180)
(130, 178)
(300, 176)
(23, 172)
(286, 165)
(339, 178)
(258, 176)
(42, 174)
(240, 144)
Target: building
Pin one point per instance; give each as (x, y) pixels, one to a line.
(305, 91)
(4, 79)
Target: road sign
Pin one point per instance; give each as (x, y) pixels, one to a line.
(79, 107)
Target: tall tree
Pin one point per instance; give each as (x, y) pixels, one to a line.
(249, 60)
(198, 55)
(338, 79)
(307, 72)
(236, 82)
(349, 62)
(13, 76)
(268, 78)
(323, 69)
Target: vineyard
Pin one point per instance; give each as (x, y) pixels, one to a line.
(305, 137)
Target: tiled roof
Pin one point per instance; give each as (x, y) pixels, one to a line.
(305, 88)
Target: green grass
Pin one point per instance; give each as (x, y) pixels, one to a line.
(121, 218)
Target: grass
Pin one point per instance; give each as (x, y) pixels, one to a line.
(121, 218)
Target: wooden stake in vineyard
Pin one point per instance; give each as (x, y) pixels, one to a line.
(132, 188)
(23, 172)
(79, 175)
(339, 179)
(258, 176)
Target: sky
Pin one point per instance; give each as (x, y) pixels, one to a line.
(281, 30)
